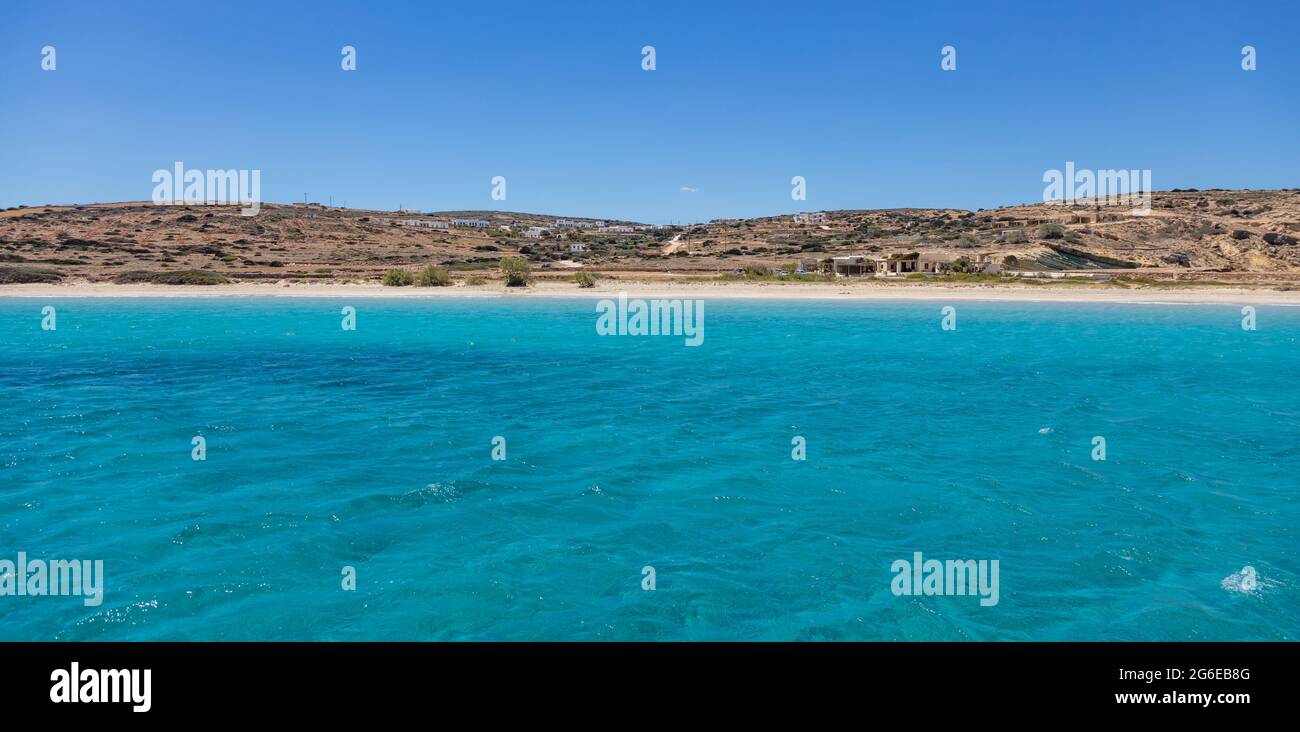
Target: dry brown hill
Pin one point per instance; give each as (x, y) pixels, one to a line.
(1232, 235)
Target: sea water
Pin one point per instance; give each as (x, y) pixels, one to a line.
(371, 451)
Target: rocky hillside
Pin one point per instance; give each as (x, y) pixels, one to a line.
(1208, 234)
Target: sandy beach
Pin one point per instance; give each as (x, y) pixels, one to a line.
(847, 291)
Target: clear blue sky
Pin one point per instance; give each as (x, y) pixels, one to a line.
(552, 96)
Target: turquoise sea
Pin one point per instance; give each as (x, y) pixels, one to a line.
(372, 449)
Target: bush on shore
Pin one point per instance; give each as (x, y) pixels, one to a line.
(516, 270)
(186, 277)
(28, 275)
(585, 279)
(398, 278)
(433, 276)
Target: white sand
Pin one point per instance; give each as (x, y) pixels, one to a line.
(848, 291)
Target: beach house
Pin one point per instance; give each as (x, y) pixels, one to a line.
(984, 264)
(471, 223)
(853, 266)
(817, 217)
(911, 263)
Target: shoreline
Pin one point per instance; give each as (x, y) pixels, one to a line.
(845, 292)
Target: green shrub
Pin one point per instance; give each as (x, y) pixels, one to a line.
(187, 277)
(433, 276)
(398, 278)
(731, 277)
(1016, 236)
(1051, 231)
(585, 279)
(516, 270)
(26, 275)
(475, 281)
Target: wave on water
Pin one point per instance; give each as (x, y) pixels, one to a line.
(1246, 581)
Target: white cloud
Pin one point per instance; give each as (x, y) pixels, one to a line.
(688, 189)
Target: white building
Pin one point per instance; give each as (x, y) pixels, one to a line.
(817, 217)
(536, 232)
(425, 223)
(472, 223)
(619, 229)
(576, 247)
(574, 224)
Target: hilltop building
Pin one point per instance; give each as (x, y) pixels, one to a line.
(424, 223)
